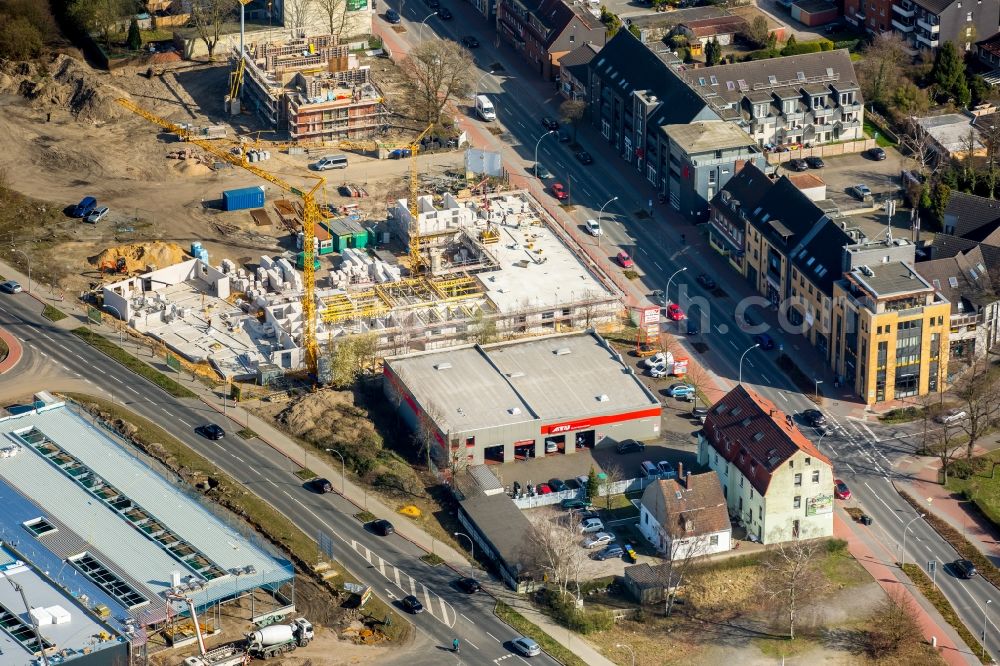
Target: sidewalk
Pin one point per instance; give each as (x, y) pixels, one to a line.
(884, 570)
(13, 352)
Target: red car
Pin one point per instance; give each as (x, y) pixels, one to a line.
(543, 489)
(559, 192)
(840, 490)
(624, 259)
(674, 312)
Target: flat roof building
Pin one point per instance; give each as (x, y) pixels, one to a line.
(495, 402)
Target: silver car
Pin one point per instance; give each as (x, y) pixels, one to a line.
(591, 525)
(97, 215)
(526, 646)
(599, 539)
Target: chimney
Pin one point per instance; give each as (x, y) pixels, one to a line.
(772, 413)
(680, 472)
(687, 480)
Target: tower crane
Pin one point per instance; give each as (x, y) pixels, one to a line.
(310, 218)
(416, 261)
(34, 622)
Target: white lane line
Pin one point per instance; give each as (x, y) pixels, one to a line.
(467, 620)
(719, 329)
(164, 410)
(286, 494)
(522, 124)
(272, 483)
(184, 422)
(396, 578)
(559, 164)
(240, 459)
(64, 347)
(883, 502)
(493, 637)
(733, 344)
(750, 363)
(132, 389)
(643, 250)
(470, 642)
(766, 380)
(783, 397)
(254, 470)
(444, 608)
(587, 192)
(413, 586)
(658, 267)
(850, 468)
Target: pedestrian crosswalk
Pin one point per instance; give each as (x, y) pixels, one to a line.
(407, 585)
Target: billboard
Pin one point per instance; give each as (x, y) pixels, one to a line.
(819, 505)
(356, 5)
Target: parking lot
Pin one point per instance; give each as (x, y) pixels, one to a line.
(845, 171)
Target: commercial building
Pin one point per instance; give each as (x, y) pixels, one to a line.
(686, 517)
(111, 549)
(543, 31)
(776, 482)
(501, 401)
(890, 332)
(312, 87)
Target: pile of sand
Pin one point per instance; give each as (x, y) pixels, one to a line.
(140, 255)
(192, 167)
(65, 83)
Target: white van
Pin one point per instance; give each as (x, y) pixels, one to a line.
(331, 162)
(484, 108)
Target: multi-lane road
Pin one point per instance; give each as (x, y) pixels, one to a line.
(391, 565)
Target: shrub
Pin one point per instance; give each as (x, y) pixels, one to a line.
(565, 612)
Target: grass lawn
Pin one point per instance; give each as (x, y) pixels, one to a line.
(4, 350)
(53, 313)
(524, 627)
(983, 490)
(134, 364)
(882, 140)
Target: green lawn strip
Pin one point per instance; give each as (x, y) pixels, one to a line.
(943, 606)
(109, 348)
(431, 559)
(229, 493)
(525, 627)
(965, 548)
(983, 490)
(365, 516)
(246, 433)
(305, 474)
(902, 415)
(53, 313)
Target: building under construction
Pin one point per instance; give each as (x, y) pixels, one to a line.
(313, 87)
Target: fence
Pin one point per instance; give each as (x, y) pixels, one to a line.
(615, 488)
(831, 150)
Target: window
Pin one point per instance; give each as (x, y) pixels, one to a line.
(39, 526)
(809, 461)
(741, 481)
(651, 174)
(606, 129)
(968, 17)
(791, 463)
(797, 502)
(798, 479)
(760, 513)
(816, 476)
(714, 539)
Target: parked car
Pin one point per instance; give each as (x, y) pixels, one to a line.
(97, 215)
(700, 413)
(876, 153)
(658, 371)
(749, 319)
(680, 390)
(798, 165)
(674, 312)
(542, 173)
(840, 490)
(859, 191)
(11, 287)
(693, 327)
(468, 585)
(815, 162)
(814, 417)
(551, 447)
(764, 340)
(322, 485)
(433, 4)
(392, 16)
(557, 485)
(470, 42)
(412, 605)
(543, 489)
(630, 554)
(558, 191)
(594, 228)
(574, 503)
(656, 359)
(598, 540)
(648, 469)
(951, 416)
(591, 526)
(400, 153)
(964, 568)
(667, 470)
(550, 124)
(382, 527)
(526, 647)
(614, 551)
(625, 260)
(705, 280)
(85, 207)
(210, 431)
(445, 14)
(584, 514)
(573, 484)
(629, 446)
(585, 157)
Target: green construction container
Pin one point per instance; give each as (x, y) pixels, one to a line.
(340, 233)
(360, 239)
(300, 261)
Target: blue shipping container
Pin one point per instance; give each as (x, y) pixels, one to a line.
(243, 198)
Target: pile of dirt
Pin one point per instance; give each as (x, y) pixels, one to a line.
(325, 416)
(67, 84)
(192, 167)
(140, 255)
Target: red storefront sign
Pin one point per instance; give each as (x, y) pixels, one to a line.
(569, 426)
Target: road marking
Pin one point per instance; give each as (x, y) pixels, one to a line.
(397, 577)
(658, 267)
(493, 637)
(254, 470)
(467, 620)
(240, 459)
(733, 344)
(272, 483)
(59, 344)
(643, 250)
(750, 363)
(766, 380)
(850, 467)
(719, 329)
(883, 502)
(587, 192)
(132, 389)
(559, 164)
(783, 397)
(184, 422)
(470, 642)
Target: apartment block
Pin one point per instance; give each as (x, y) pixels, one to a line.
(544, 31)
(926, 24)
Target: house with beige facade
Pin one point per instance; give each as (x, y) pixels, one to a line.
(775, 482)
(685, 517)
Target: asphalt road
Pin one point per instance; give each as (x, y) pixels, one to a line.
(391, 565)
(863, 454)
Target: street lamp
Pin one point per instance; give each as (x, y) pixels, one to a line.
(988, 602)
(630, 651)
(666, 292)
(818, 382)
(472, 544)
(600, 220)
(902, 555)
(343, 471)
(480, 81)
(111, 307)
(28, 259)
(741, 360)
(536, 149)
(420, 33)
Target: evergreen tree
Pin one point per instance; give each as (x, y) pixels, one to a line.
(593, 484)
(713, 52)
(134, 40)
(948, 75)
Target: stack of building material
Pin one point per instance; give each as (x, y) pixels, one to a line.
(59, 614)
(41, 616)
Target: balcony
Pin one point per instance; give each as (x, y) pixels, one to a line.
(930, 42)
(902, 27)
(932, 28)
(905, 9)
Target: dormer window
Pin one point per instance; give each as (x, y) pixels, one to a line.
(817, 102)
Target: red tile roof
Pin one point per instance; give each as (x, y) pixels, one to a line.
(719, 25)
(693, 508)
(749, 431)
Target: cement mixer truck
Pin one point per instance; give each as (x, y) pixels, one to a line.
(278, 639)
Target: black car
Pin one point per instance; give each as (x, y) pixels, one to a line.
(564, 136)
(764, 340)
(322, 485)
(572, 484)
(445, 14)
(630, 446)
(876, 154)
(815, 162)
(468, 585)
(392, 16)
(382, 527)
(433, 4)
(412, 604)
(749, 319)
(964, 568)
(211, 431)
(550, 124)
(584, 514)
(470, 42)
(706, 281)
(814, 417)
(584, 157)
(692, 326)
(797, 165)
(557, 485)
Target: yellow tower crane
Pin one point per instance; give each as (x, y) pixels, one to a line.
(416, 260)
(311, 217)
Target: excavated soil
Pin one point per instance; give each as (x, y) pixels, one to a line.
(139, 256)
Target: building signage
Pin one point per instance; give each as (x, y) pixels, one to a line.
(819, 505)
(569, 426)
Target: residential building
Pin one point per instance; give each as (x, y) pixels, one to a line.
(927, 24)
(952, 135)
(545, 30)
(656, 27)
(988, 52)
(352, 18)
(808, 99)
(875, 16)
(573, 70)
(685, 517)
(730, 211)
(722, 28)
(890, 332)
(810, 185)
(775, 481)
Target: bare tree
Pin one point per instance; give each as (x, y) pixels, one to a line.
(103, 16)
(571, 111)
(679, 568)
(436, 71)
(791, 577)
(893, 625)
(336, 14)
(979, 393)
(554, 547)
(881, 68)
(208, 17)
(698, 377)
(612, 475)
(296, 15)
(943, 444)
(428, 433)
(918, 144)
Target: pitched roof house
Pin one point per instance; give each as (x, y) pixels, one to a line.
(686, 517)
(545, 30)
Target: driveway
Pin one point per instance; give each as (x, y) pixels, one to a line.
(845, 171)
